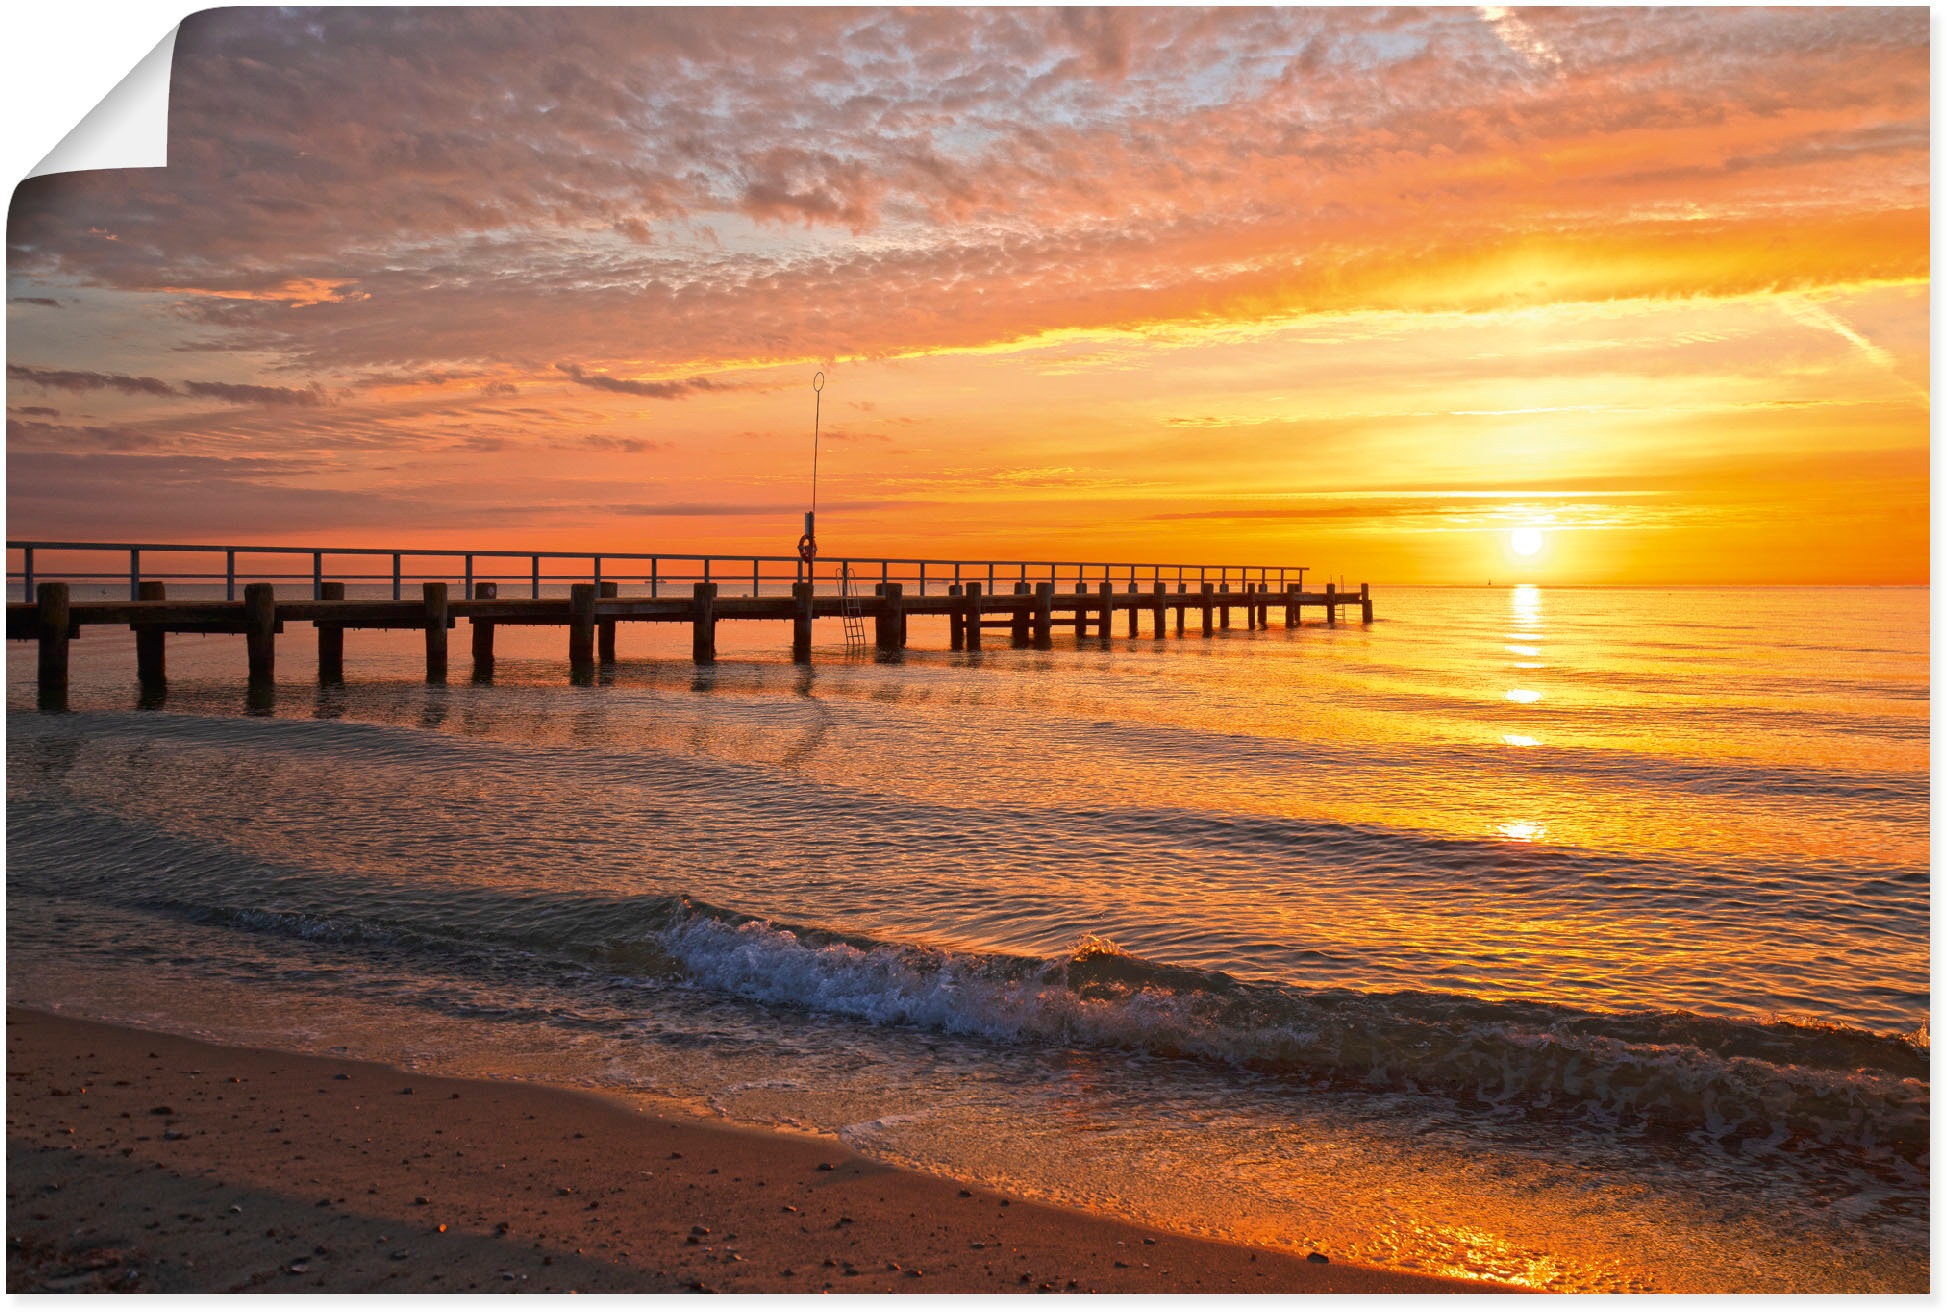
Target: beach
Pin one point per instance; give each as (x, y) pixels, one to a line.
(140, 1161)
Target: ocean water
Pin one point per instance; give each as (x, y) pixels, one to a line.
(1575, 938)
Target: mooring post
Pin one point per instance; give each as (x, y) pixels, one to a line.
(1019, 635)
(331, 638)
(1331, 604)
(149, 666)
(1291, 607)
(52, 613)
(260, 630)
(1250, 607)
(1044, 614)
(606, 628)
(956, 621)
(1107, 593)
(890, 623)
(972, 621)
(702, 641)
(483, 631)
(436, 617)
(1134, 611)
(1209, 597)
(1365, 601)
(1161, 611)
(802, 596)
(1182, 607)
(1224, 610)
(581, 626)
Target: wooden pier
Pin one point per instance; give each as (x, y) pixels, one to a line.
(1026, 609)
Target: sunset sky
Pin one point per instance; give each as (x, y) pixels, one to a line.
(1355, 289)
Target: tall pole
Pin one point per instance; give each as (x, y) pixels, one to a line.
(807, 546)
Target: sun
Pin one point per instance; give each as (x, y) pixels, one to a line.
(1527, 541)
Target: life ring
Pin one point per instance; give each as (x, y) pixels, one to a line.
(807, 548)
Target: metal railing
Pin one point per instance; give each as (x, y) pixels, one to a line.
(42, 561)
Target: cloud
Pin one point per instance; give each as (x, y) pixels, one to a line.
(660, 389)
(84, 380)
(48, 301)
(255, 394)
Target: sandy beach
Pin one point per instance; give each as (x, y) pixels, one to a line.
(144, 1162)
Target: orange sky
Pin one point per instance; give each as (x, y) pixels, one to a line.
(1354, 289)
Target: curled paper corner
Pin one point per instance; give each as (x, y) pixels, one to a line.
(128, 128)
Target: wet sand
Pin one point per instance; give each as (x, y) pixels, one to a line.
(142, 1162)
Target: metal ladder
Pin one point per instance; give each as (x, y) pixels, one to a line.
(854, 616)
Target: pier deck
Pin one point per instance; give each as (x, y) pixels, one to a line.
(592, 612)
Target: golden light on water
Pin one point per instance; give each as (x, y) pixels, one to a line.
(1523, 695)
(1521, 831)
(1519, 740)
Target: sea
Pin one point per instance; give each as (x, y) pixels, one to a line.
(1574, 938)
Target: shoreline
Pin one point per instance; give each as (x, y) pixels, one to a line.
(141, 1161)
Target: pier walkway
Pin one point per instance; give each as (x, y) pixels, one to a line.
(594, 594)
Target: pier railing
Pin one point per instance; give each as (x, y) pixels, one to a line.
(115, 563)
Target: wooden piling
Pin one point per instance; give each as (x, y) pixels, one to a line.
(1182, 607)
(1291, 609)
(1021, 614)
(956, 622)
(260, 632)
(1365, 602)
(483, 631)
(890, 621)
(331, 638)
(702, 641)
(1043, 615)
(605, 629)
(972, 621)
(1223, 611)
(1331, 604)
(150, 666)
(437, 613)
(802, 599)
(52, 615)
(581, 625)
(1107, 593)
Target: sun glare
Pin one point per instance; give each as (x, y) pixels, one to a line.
(1527, 541)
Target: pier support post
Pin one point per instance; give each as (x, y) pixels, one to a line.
(1209, 597)
(1107, 594)
(1224, 610)
(1020, 630)
(1331, 604)
(581, 627)
(1250, 607)
(1134, 611)
(956, 622)
(150, 666)
(702, 639)
(890, 628)
(972, 621)
(1292, 610)
(1365, 601)
(1182, 608)
(483, 632)
(437, 615)
(260, 630)
(802, 595)
(331, 638)
(53, 615)
(1043, 615)
(605, 629)
(1161, 615)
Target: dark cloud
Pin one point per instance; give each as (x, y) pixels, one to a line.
(82, 380)
(253, 394)
(659, 389)
(48, 301)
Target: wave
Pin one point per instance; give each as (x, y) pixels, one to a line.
(1756, 1081)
